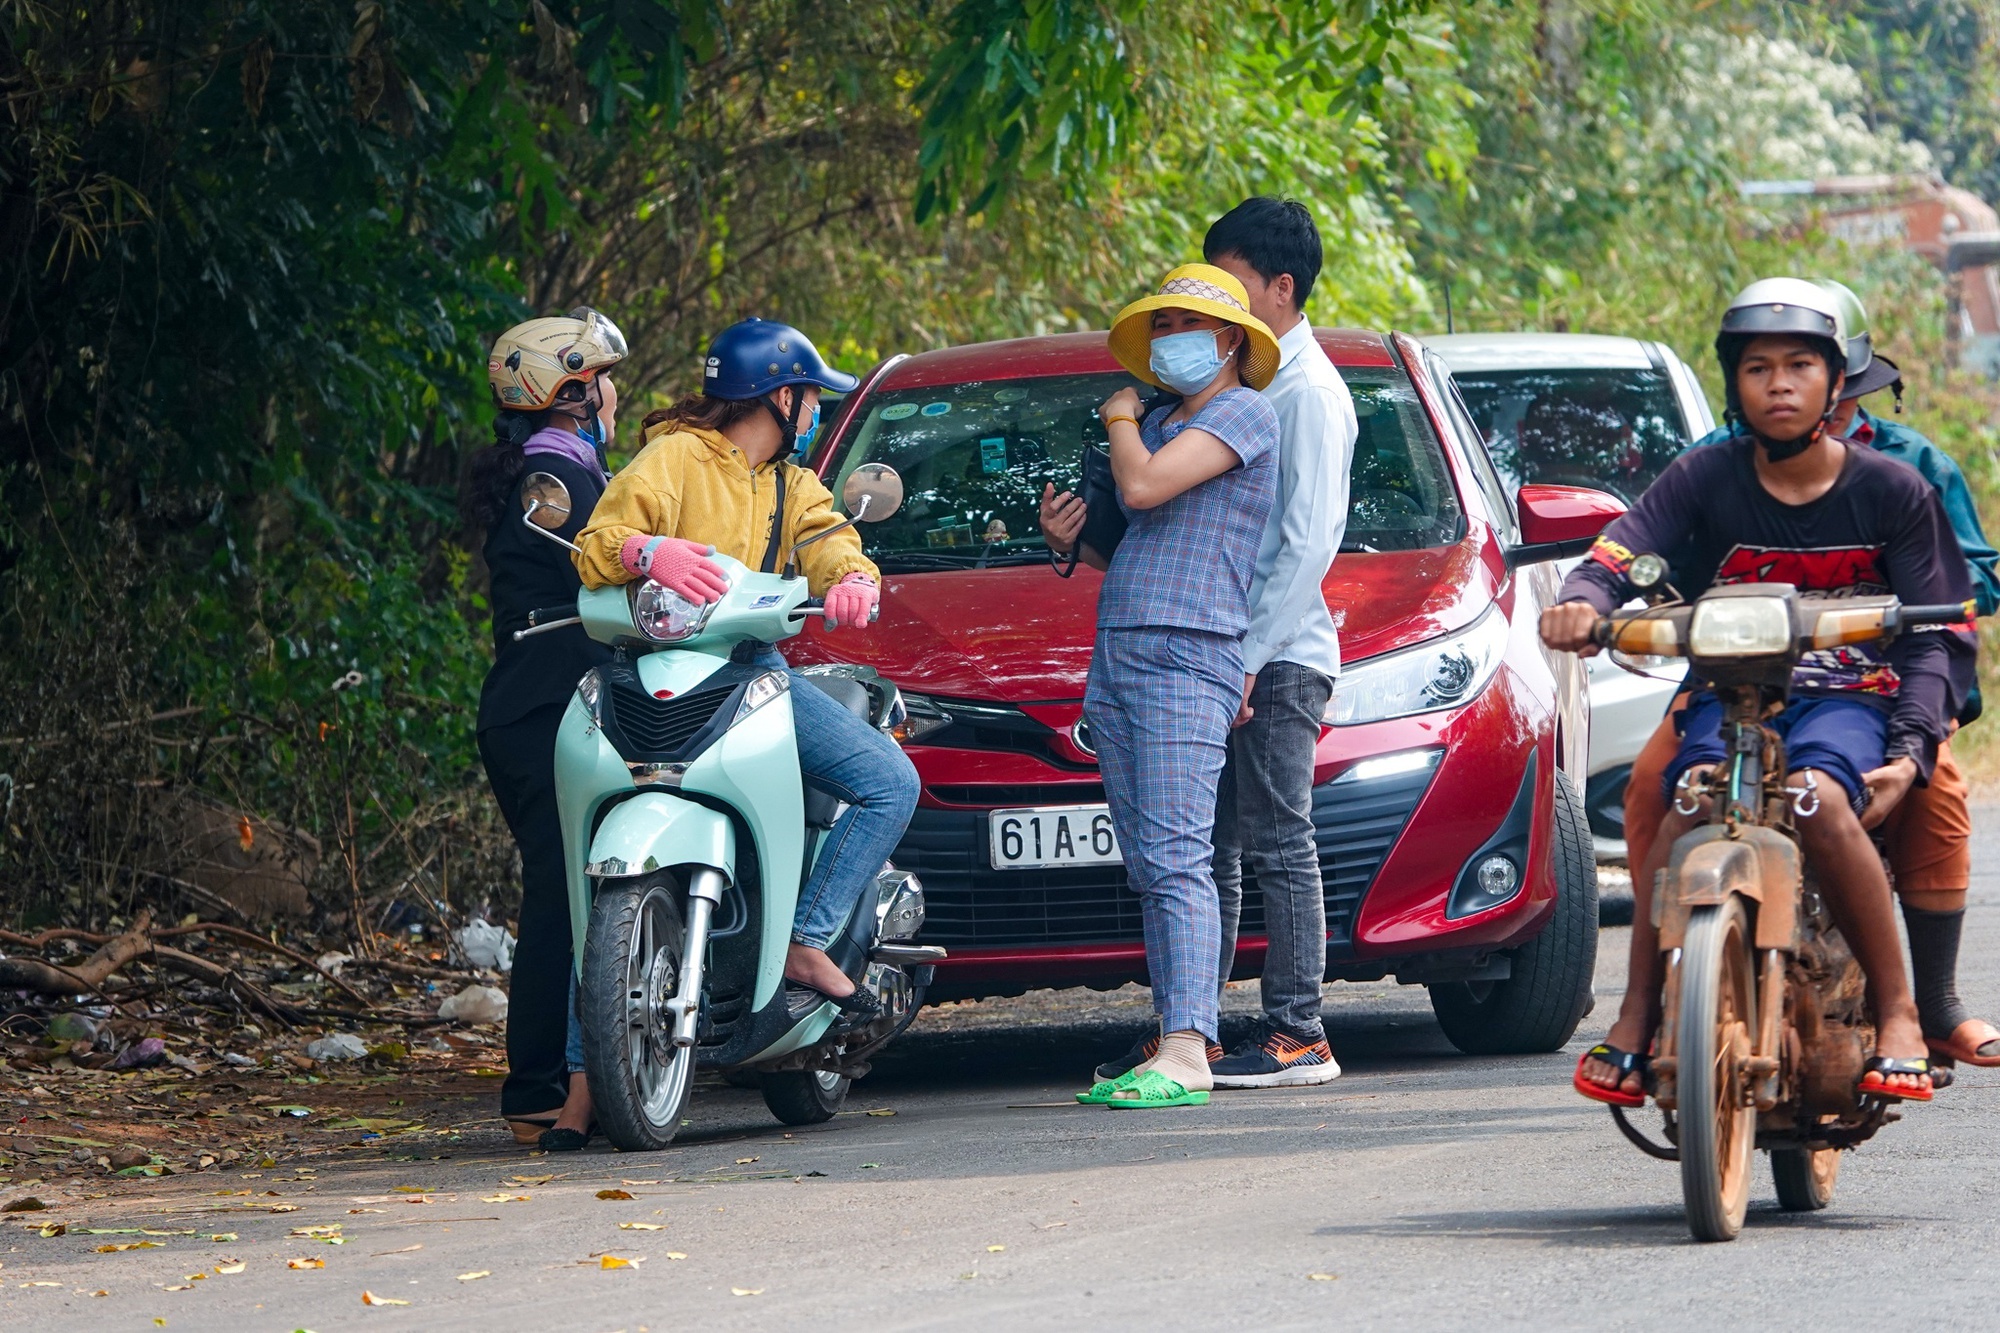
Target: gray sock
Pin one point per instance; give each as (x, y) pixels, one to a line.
(1934, 968)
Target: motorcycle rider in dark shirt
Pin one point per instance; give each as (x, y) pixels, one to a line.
(1787, 501)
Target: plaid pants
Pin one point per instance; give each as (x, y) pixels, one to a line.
(1160, 702)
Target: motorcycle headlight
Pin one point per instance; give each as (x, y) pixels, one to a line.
(591, 690)
(1740, 627)
(664, 616)
(760, 692)
(921, 717)
(1443, 673)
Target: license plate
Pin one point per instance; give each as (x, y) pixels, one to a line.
(1053, 835)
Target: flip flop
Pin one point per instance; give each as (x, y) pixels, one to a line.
(1969, 1048)
(1153, 1090)
(1625, 1062)
(1881, 1068)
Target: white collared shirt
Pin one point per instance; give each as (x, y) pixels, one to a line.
(1289, 620)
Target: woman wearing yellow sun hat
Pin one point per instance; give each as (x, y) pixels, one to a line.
(1196, 481)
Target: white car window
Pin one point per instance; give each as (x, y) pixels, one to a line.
(1612, 430)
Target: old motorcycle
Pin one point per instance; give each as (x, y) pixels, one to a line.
(688, 832)
(1764, 1026)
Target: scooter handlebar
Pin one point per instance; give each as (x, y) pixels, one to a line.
(812, 604)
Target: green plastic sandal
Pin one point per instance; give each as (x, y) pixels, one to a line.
(1151, 1091)
(1100, 1092)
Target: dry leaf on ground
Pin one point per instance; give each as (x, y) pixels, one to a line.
(675, 1254)
(613, 1194)
(474, 1277)
(1322, 1277)
(613, 1261)
(305, 1263)
(640, 1226)
(370, 1298)
(746, 1291)
(229, 1266)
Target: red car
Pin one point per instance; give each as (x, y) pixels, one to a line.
(1451, 833)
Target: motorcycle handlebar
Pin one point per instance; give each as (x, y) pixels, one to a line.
(812, 604)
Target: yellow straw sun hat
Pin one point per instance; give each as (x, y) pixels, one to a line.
(1203, 288)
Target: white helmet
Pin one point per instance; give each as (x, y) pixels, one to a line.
(531, 362)
(1792, 307)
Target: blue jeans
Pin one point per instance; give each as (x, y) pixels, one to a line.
(842, 755)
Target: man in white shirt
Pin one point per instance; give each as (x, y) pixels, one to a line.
(1291, 655)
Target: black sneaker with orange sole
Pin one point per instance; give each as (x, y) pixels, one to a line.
(1143, 1050)
(1276, 1058)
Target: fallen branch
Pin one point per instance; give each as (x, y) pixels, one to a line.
(422, 972)
(87, 977)
(256, 941)
(224, 978)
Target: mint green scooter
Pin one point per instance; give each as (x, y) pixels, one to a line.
(688, 833)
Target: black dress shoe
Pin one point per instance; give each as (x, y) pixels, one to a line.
(563, 1140)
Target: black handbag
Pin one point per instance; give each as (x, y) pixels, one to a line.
(1103, 520)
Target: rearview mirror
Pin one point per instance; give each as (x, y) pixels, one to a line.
(544, 501)
(872, 492)
(1560, 521)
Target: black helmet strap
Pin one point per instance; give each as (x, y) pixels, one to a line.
(788, 427)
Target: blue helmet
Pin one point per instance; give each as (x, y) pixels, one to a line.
(758, 356)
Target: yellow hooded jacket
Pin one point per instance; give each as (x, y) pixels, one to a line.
(693, 483)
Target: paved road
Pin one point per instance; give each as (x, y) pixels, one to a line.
(1424, 1189)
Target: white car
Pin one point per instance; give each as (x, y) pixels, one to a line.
(1580, 409)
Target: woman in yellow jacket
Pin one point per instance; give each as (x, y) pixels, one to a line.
(716, 475)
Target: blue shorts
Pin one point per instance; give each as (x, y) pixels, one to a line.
(1842, 738)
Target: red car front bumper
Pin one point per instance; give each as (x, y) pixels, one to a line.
(1392, 844)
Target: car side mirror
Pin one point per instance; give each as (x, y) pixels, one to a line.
(1560, 521)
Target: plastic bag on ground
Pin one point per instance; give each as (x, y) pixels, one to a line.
(487, 945)
(339, 1046)
(475, 1004)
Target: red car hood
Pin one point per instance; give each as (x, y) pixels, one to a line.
(1022, 635)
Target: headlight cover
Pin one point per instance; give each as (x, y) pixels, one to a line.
(760, 692)
(1442, 673)
(591, 690)
(1740, 627)
(664, 616)
(921, 717)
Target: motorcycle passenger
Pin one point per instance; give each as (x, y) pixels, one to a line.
(1197, 481)
(717, 474)
(1928, 837)
(1788, 501)
(551, 380)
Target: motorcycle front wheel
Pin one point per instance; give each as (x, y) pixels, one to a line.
(639, 1079)
(1718, 1124)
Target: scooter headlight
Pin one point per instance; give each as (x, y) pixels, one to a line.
(1740, 627)
(664, 616)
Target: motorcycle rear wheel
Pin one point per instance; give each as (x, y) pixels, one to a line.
(1804, 1178)
(639, 1080)
(1718, 1125)
(804, 1096)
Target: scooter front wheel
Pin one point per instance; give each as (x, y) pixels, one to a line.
(1718, 1122)
(632, 959)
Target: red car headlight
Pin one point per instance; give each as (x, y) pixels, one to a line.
(1443, 673)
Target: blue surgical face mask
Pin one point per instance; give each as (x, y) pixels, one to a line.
(803, 441)
(1187, 362)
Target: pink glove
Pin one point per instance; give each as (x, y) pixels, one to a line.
(677, 564)
(850, 601)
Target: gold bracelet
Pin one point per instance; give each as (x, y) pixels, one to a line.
(1109, 420)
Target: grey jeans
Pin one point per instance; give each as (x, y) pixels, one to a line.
(1264, 815)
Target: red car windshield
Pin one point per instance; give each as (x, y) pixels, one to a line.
(974, 458)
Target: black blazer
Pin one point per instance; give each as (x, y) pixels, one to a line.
(529, 572)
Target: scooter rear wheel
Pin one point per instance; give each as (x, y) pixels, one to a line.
(804, 1096)
(639, 1080)
(1804, 1177)
(1718, 1124)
